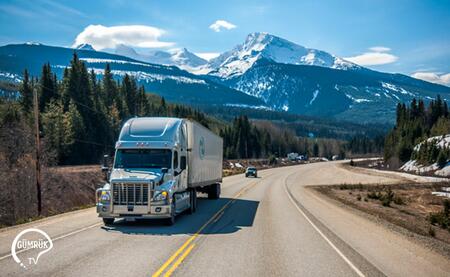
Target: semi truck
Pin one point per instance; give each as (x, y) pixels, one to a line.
(160, 164)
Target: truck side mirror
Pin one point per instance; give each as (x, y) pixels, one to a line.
(183, 162)
(105, 166)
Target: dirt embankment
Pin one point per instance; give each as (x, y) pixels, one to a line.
(63, 189)
(411, 206)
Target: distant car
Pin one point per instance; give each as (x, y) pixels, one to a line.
(251, 171)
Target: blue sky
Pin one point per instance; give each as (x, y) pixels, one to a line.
(406, 36)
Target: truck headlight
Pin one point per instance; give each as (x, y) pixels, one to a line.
(160, 196)
(105, 197)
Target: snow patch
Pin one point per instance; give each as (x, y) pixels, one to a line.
(315, 93)
(151, 77)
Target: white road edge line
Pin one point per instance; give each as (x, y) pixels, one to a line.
(57, 238)
(352, 266)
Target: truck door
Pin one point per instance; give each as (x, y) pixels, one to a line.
(183, 155)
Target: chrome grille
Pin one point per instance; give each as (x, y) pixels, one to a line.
(130, 194)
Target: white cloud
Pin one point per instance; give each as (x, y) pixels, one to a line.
(376, 56)
(101, 37)
(380, 49)
(208, 55)
(221, 24)
(434, 77)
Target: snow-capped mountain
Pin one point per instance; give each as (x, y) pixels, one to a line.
(85, 46)
(259, 46)
(290, 77)
(181, 58)
(359, 95)
(169, 81)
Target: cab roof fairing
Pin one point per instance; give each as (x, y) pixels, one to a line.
(150, 132)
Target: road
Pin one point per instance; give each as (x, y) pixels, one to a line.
(269, 226)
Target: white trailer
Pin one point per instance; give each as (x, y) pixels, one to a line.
(159, 165)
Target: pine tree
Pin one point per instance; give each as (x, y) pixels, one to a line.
(26, 93)
(109, 90)
(47, 89)
(54, 129)
(73, 135)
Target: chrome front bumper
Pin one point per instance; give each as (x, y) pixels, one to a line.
(121, 211)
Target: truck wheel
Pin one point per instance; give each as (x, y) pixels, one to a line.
(108, 221)
(214, 191)
(171, 220)
(192, 201)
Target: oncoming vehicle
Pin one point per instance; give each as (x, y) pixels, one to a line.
(160, 164)
(251, 171)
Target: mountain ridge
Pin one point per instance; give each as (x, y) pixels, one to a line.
(170, 82)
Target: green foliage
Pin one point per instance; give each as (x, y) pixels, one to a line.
(81, 115)
(272, 160)
(26, 91)
(413, 125)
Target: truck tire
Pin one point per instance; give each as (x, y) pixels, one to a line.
(171, 220)
(214, 191)
(192, 201)
(108, 221)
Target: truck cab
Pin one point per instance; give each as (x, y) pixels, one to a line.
(150, 173)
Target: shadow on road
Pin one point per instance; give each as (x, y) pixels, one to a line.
(238, 214)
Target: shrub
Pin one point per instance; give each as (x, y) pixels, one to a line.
(446, 204)
(374, 195)
(343, 187)
(431, 232)
(398, 200)
(441, 218)
(272, 160)
(365, 199)
(387, 198)
(352, 163)
(358, 197)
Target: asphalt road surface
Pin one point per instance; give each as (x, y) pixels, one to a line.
(268, 226)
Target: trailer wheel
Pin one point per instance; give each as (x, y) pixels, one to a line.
(171, 220)
(108, 221)
(214, 191)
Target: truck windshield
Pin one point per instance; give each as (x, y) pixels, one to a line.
(143, 158)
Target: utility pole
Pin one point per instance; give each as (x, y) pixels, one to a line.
(38, 166)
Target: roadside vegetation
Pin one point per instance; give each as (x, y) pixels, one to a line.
(411, 206)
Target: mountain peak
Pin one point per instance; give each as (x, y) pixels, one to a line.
(261, 45)
(33, 43)
(85, 46)
(186, 59)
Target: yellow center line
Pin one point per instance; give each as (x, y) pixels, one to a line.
(179, 261)
(185, 244)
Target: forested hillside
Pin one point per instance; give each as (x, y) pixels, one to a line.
(415, 123)
(81, 115)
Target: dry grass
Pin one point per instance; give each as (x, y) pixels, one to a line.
(412, 211)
